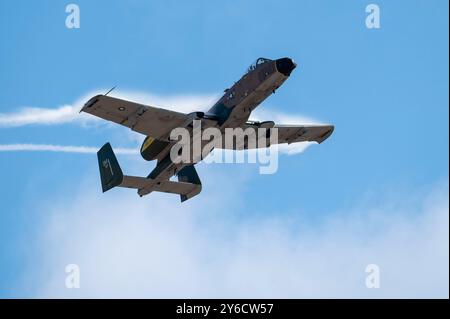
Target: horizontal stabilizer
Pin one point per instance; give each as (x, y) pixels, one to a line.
(146, 185)
(111, 175)
(188, 184)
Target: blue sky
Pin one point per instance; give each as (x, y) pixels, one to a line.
(385, 90)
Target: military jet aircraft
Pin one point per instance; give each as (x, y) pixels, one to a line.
(232, 110)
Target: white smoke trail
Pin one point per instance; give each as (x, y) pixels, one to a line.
(61, 148)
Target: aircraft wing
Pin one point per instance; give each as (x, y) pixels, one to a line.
(148, 120)
(287, 134)
(303, 133)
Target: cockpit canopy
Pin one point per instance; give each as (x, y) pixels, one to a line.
(256, 63)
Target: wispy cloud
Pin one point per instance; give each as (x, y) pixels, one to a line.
(71, 112)
(60, 148)
(182, 103)
(155, 247)
(34, 115)
(47, 116)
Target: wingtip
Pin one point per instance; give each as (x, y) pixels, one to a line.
(90, 103)
(327, 134)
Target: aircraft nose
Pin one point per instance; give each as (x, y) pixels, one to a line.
(285, 66)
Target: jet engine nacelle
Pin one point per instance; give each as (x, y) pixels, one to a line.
(151, 147)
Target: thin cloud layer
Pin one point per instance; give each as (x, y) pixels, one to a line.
(156, 247)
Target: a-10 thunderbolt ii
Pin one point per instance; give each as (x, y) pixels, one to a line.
(232, 110)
